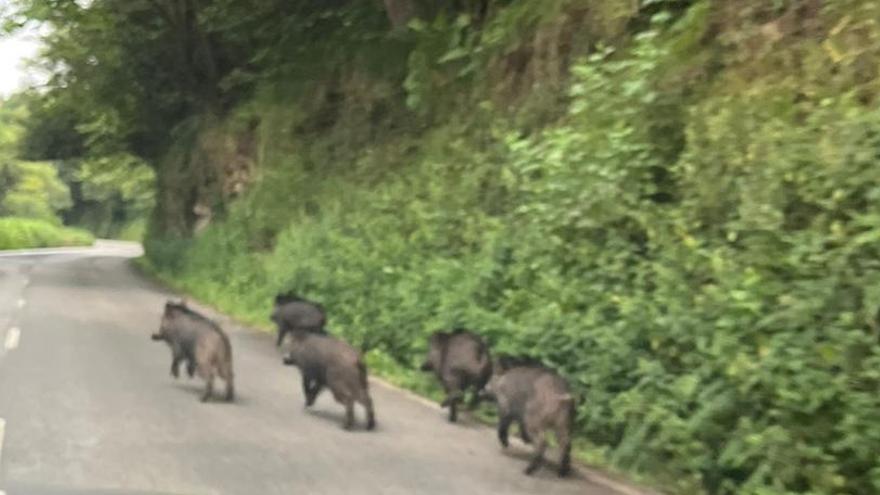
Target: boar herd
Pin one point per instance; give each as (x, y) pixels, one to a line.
(527, 393)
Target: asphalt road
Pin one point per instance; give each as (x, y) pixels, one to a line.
(87, 406)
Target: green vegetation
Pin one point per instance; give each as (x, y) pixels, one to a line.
(672, 202)
(110, 195)
(32, 195)
(25, 233)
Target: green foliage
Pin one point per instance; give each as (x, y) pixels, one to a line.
(24, 233)
(673, 202)
(27, 189)
(115, 193)
(32, 190)
(695, 253)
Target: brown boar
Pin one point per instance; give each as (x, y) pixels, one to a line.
(460, 360)
(293, 313)
(201, 343)
(540, 401)
(327, 361)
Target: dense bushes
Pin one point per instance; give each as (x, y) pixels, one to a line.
(692, 240)
(23, 233)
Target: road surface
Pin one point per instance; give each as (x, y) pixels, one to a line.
(87, 406)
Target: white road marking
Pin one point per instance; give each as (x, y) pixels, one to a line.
(12, 338)
(21, 303)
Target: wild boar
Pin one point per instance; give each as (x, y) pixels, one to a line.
(327, 361)
(540, 401)
(460, 360)
(201, 343)
(293, 313)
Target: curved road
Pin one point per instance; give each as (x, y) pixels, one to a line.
(87, 406)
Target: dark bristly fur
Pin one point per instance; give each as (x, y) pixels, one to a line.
(460, 360)
(201, 343)
(327, 361)
(293, 313)
(539, 400)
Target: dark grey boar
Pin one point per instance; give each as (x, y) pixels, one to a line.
(327, 361)
(539, 400)
(460, 360)
(293, 313)
(201, 343)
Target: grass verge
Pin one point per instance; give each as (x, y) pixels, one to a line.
(25, 233)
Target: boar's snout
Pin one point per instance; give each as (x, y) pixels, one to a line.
(289, 361)
(157, 336)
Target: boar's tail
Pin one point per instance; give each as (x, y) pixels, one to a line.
(362, 370)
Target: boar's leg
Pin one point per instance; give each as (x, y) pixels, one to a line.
(230, 390)
(311, 388)
(307, 389)
(191, 367)
(563, 438)
(524, 433)
(540, 448)
(453, 409)
(367, 402)
(208, 376)
(565, 459)
(452, 384)
(349, 414)
(226, 374)
(313, 392)
(175, 366)
(282, 330)
(503, 425)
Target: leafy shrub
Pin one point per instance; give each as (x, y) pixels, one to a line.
(23, 233)
(696, 253)
(32, 190)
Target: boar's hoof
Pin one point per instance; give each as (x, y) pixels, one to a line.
(530, 469)
(564, 471)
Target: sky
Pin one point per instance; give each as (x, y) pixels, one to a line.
(14, 50)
